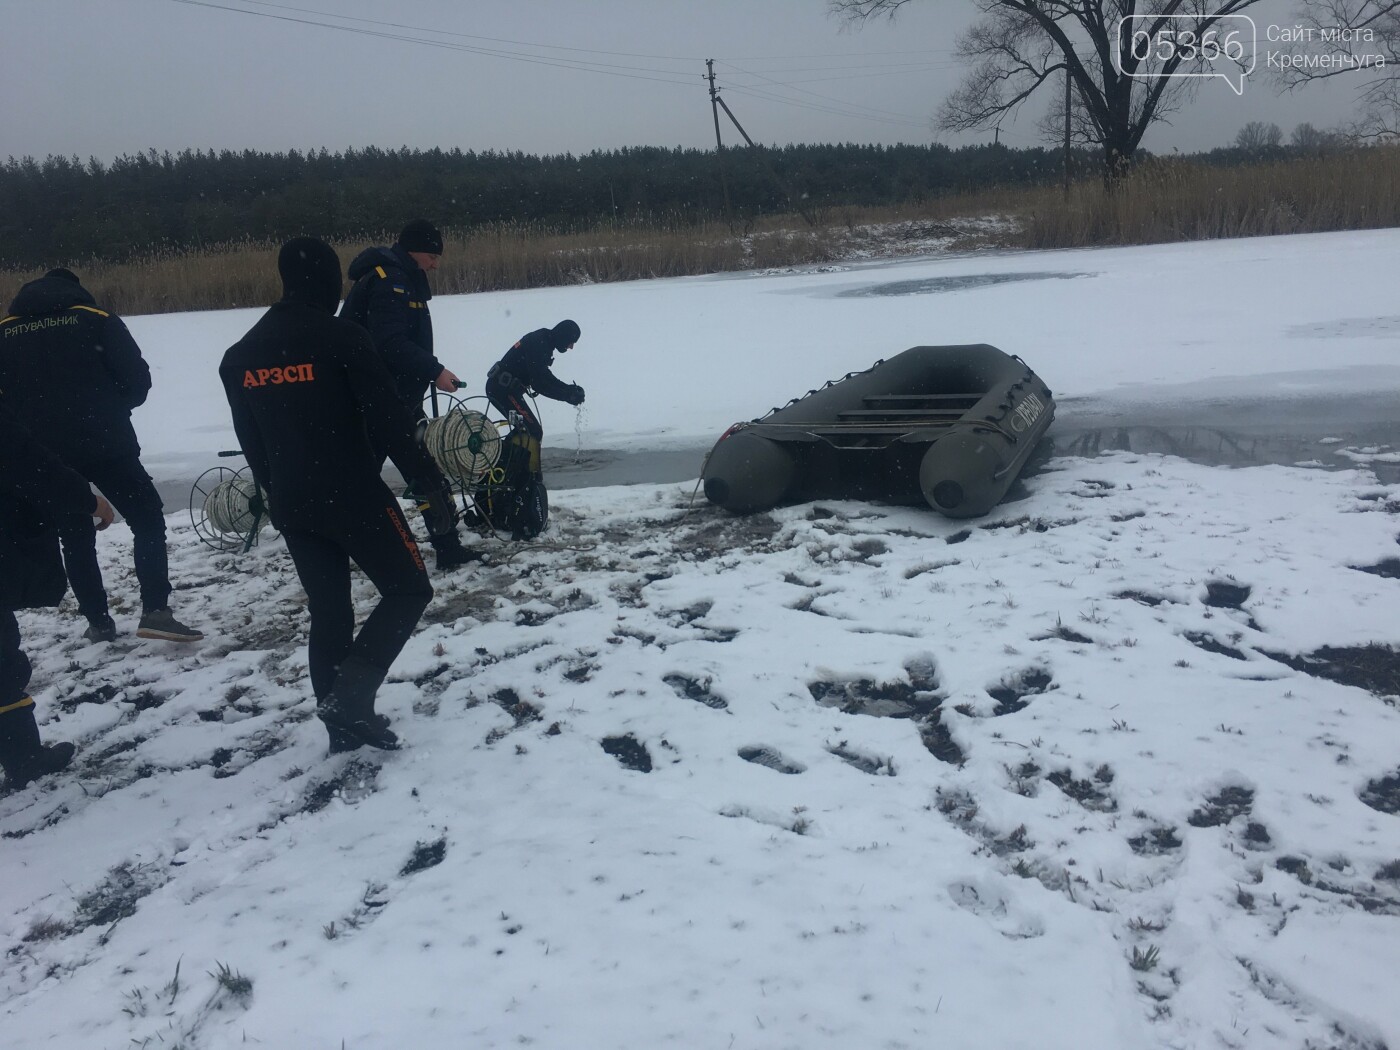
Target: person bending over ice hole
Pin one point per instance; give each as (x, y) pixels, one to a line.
(73, 375)
(519, 502)
(389, 297)
(36, 492)
(311, 404)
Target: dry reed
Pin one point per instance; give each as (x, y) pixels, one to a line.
(1163, 200)
(1184, 200)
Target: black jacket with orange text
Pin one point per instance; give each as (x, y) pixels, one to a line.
(311, 401)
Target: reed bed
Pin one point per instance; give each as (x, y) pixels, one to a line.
(1184, 200)
(1162, 200)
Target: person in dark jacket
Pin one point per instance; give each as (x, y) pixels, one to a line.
(525, 370)
(73, 375)
(312, 403)
(389, 297)
(36, 490)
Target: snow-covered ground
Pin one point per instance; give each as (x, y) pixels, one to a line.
(1079, 774)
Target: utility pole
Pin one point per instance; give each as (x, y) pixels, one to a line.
(719, 146)
(763, 156)
(1067, 99)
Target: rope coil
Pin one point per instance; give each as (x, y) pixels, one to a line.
(228, 508)
(463, 443)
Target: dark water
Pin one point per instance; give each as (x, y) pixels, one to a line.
(1236, 432)
(963, 283)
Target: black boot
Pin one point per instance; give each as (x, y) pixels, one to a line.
(350, 708)
(450, 552)
(343, 741)
(101, 629)
(23, 758)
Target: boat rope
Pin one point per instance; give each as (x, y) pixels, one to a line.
(825, 385)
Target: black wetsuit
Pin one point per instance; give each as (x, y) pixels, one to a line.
(525, 369)
(311, 403)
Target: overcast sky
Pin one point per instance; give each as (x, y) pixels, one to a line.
(108, 77)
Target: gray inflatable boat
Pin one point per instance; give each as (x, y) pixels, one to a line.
(950, 425)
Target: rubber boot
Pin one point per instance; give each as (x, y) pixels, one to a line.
(22, 756)
(350, 707)
(343, 741)
(450, 552)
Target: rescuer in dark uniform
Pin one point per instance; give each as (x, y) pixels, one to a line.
(311, 403)
(525, 370)
(73, 375)
(390, 298)
(36, 491)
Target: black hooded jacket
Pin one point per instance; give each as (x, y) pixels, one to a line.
(311, 400)
(390, 298)
(71, 372)
(528, 362)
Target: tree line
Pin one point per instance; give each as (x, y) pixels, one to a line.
(61, 209)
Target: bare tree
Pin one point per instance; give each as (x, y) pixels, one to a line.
(1256, 137)
(1352, 35)
(1119, 89)
(1308, 139)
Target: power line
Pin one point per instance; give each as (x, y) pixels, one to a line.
(581, 50)
(888, 115)
(798, 104)
(400, 32)
(610, 69)
(465, 36)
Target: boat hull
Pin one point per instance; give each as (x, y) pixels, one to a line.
(952, 426)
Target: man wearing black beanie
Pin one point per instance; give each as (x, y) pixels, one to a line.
(390, 299)
(312, 403)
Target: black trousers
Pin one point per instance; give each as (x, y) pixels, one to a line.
(14, 665)
(381, 544)
(130, 490)
(508, 399)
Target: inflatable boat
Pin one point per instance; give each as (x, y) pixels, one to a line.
(950, 425)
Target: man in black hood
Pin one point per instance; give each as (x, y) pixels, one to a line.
(525, 369)
(389, 297)
(312, 404)
(73, 375)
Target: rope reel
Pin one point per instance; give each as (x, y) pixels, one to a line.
(463, 443)
(221, 510)
(228, 508)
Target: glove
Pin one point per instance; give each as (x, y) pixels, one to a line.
(575, 394)
(439, 510)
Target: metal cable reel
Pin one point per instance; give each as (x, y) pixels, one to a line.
(222, 509)
(464, 444)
